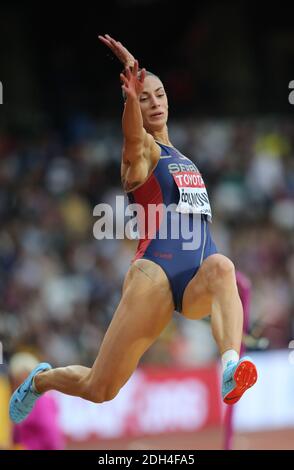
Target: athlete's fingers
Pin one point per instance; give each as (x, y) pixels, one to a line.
(135, 69)
(126, 52)
(112, 44)
(123, 78)
(142, 75)
(125, 89)
(104, 40)
(128, 73)
(110, 38)
(123, 51)
(108, 44)
(120, 46)
(116, 45)
(118, 49)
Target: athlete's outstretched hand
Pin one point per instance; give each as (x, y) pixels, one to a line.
(132, 81)
(121, 52)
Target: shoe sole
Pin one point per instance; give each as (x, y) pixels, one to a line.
(245, 377)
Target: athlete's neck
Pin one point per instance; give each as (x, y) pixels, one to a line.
(162, 137)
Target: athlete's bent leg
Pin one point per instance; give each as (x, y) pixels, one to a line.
(213, 290)
(227, 310)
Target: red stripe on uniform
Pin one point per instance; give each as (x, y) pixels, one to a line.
(149, 193)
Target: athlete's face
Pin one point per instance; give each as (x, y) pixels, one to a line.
(154, 105)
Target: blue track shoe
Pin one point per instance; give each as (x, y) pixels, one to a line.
(237, 378)
(24, 397)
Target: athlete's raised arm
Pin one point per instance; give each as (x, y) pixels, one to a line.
(140, 151)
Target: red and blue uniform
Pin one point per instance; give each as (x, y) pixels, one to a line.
(177, 183)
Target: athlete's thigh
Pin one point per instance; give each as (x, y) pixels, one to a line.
(197, 299)
(146, 307)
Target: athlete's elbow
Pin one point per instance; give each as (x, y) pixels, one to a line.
(134, 137)
(133, 150)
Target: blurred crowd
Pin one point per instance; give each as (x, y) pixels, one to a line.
(59, 286)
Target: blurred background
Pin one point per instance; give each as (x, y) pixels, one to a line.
(226, 68)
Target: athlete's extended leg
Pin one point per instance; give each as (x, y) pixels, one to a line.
(145, 309)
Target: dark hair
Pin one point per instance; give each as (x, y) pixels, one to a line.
(148, 74)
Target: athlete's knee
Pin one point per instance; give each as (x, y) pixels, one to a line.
(219, 269)
(99, 393)
(102, 395)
